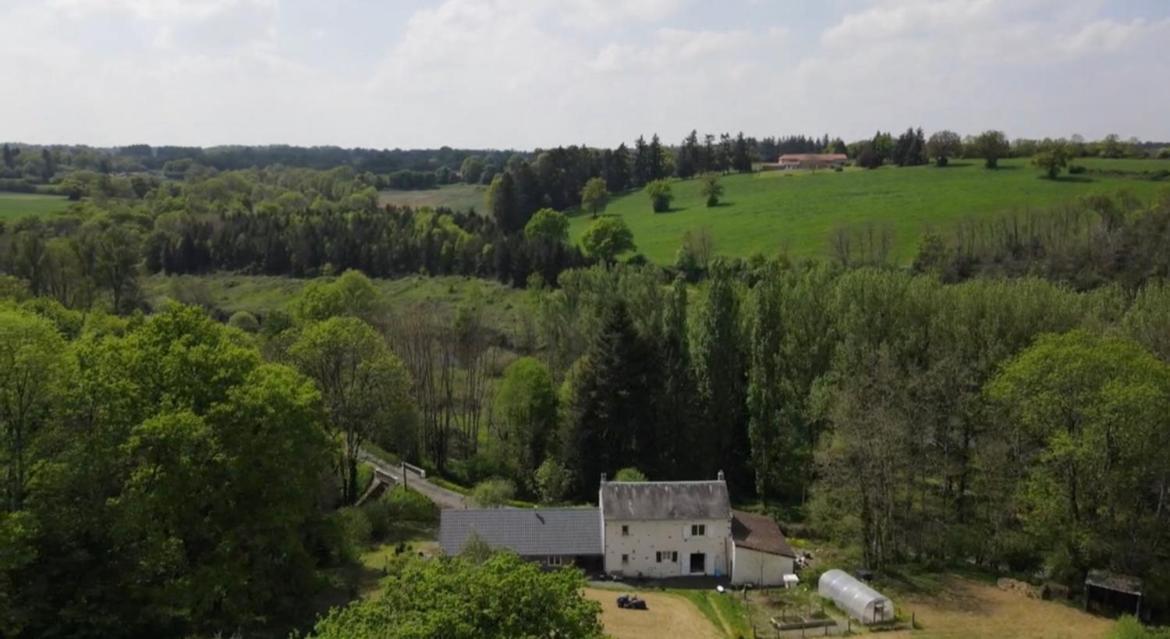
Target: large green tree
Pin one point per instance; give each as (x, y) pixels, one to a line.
(526, 417)
(607, 238)
(365, 387)
(504, 597)
(1091, 420)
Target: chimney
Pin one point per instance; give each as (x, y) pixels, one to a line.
(603, 478)
(719, 476)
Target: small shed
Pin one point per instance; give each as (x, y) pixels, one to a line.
(760, 553)
(1111, 592)
(854, 597)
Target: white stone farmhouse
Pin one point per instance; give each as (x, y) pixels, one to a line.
(654, 530)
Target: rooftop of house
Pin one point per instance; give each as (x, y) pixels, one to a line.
(664, 500)
(759, 532)
(527, 532)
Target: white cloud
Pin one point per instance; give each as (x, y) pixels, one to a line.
(525, 73)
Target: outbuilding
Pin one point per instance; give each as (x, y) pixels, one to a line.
(857, 599)
(760, 554)
(550, 536)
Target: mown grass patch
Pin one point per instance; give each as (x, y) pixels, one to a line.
(18, 205)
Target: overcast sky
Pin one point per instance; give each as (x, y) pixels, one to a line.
(527, 73)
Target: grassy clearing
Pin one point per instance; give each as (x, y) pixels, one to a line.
(459, 197)
(797, 212)
(502, 306)
(17, 205)
(959, 607)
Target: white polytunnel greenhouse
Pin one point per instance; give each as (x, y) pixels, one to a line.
(854, 597)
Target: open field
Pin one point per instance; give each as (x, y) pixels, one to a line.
(16, 205)
(797, 212)
(669, 616)
(459, 197)
(503, 306)
(961, 608)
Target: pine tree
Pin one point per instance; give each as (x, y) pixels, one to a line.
(611, 403)
(617, 170)
(657, 164)
(741, 159)
(643, 167)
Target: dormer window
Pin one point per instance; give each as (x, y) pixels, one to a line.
(698, 530)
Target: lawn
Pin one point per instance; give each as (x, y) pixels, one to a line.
(797, 212)
(16, 205)
(459, 197)
(668, 616)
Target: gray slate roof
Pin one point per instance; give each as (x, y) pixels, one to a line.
(652, 500)
(527, 532)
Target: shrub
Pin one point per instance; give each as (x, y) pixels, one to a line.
(352, 532)
(711, 189)
(552, 481)
(410, 505)
(660, 195)
(629, 474)
(493, 493)
(244, 321)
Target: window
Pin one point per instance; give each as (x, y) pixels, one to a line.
(555, 560)
(625, 559)
(666, 555)
(625, 531)
(698, 530)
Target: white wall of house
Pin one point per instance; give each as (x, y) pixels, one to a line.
(760, 568)
(644, 540)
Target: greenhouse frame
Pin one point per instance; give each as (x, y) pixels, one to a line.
(855, 598)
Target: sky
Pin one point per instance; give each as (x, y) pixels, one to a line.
(522, 74)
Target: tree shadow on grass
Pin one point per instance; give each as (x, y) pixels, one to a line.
(1076, 179)
(954, 165)
(721, 205)
(673, 209)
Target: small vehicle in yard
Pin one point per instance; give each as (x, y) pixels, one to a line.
(631, 602)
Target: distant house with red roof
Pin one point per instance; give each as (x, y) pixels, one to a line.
(807, 161)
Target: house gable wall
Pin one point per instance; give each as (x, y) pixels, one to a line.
(647, 538)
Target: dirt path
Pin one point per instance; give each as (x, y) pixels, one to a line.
(966, 609)
(668, 617)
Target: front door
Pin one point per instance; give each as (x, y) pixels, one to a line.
(698, 563)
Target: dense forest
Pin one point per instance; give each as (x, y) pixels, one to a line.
(171, 471)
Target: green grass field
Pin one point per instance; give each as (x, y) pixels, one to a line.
(16, 205)
(796, 213)
(459, 197)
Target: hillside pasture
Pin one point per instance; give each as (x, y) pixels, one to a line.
(18, 205)
(797, 212)
(458, 197)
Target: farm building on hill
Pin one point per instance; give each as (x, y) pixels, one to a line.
(640, 529)
(806, 161)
